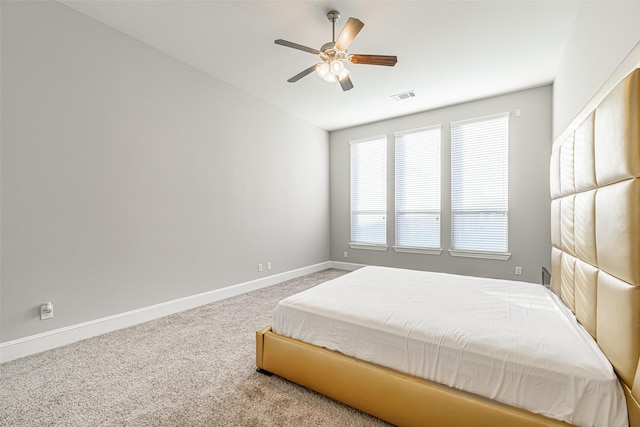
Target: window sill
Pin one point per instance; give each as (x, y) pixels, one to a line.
(503, 256)
(370, 246)
(417, 250)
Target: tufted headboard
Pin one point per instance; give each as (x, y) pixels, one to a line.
(595, 229)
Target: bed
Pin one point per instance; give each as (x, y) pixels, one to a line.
(595, 260)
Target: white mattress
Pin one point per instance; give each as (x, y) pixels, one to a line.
(513, 342)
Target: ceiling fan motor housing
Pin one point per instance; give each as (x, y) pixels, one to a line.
(331, 53)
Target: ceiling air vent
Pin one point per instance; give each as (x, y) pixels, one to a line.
(403, 95)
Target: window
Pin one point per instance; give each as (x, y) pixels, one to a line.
(369, 193)
(417, 195)
(479, 187)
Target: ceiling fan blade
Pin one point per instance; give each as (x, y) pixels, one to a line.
(346, 83)
(297, 46)
(301, 74)
(348, 33)
(385, 60)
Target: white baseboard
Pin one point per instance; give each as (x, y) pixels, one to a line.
(349, 266)
(21, 347)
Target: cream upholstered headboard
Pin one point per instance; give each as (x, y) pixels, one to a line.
(595, 229)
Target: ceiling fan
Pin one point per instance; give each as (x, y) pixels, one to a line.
(334, 53)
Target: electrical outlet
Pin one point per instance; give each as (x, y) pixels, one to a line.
(268, 265)
(346, 254)
(259, 267)
(46, 311)
(518, 271)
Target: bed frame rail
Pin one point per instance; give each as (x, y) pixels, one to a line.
(395, 397)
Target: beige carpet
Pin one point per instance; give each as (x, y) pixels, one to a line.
(195, 368)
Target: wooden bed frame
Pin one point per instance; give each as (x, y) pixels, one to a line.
(595, 236)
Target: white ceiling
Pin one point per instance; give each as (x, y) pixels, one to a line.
(448, 52)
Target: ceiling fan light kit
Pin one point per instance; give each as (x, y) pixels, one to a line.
(334, 53)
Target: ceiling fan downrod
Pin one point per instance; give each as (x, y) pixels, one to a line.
(333, 16)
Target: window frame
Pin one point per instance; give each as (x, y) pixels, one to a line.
(479, 253)
(369, 245)
(429, 250)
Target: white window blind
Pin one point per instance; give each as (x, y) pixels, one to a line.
(369, 192)
(479, 184)
(417, 188)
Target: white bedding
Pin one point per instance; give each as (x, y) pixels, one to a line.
(513, 342)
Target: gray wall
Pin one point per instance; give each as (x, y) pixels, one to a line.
(529, 151)
(130, 179)
(603, 35)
